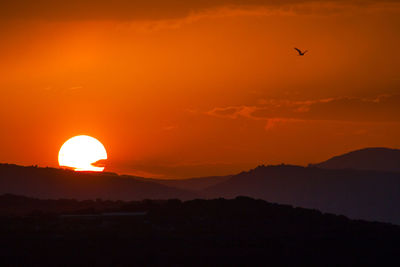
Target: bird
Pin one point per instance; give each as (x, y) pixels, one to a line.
(300, 52)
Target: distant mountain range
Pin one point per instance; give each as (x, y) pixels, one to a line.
(50, 183)
(377, 159)
(192, 184)
(359, 184)
(369, 195)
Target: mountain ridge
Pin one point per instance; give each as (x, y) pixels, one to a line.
(359, 194)
(58, 183)
(370, 158)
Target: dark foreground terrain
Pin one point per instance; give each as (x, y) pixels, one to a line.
(241, 231)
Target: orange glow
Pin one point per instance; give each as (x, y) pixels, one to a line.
(80, 152)
(198, 88)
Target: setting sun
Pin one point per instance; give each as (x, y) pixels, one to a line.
(81, 152)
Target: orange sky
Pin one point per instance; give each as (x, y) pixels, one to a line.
(201, 87)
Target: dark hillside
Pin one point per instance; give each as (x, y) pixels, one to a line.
(369, 195)
(241, 231)
(378, 159)
(57, 183)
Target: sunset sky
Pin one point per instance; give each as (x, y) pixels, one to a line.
(202, 87)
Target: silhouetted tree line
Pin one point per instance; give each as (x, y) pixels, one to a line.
(240, 231)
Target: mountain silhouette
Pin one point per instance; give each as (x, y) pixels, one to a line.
(369, 195)
(192, 184)
(57, 183)
(379, 159)
(345, 189)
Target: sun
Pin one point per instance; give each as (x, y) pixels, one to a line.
(81, 152)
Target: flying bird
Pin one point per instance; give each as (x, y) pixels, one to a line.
(301, 53)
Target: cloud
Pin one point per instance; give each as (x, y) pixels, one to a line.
(274, 122)
(168, 169)
(153, 9)
(100, 163)
(382, 108)
(232, 112)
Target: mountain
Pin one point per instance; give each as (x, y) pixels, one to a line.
(369, 195)
(219, 232)
(192, 184)
(378, 159)
(57, 183)
(360, 194)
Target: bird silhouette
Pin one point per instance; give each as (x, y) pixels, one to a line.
(301, 53)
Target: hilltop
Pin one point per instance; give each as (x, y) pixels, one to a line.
(369, 195)
(336, 188)
(57, 183)
(376, 158)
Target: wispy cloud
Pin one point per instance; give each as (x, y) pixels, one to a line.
(161, 9)
(76, 87)
(382, 108)
(173, 169)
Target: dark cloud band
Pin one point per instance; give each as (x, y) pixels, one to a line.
(133, 9)
(385, 108)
